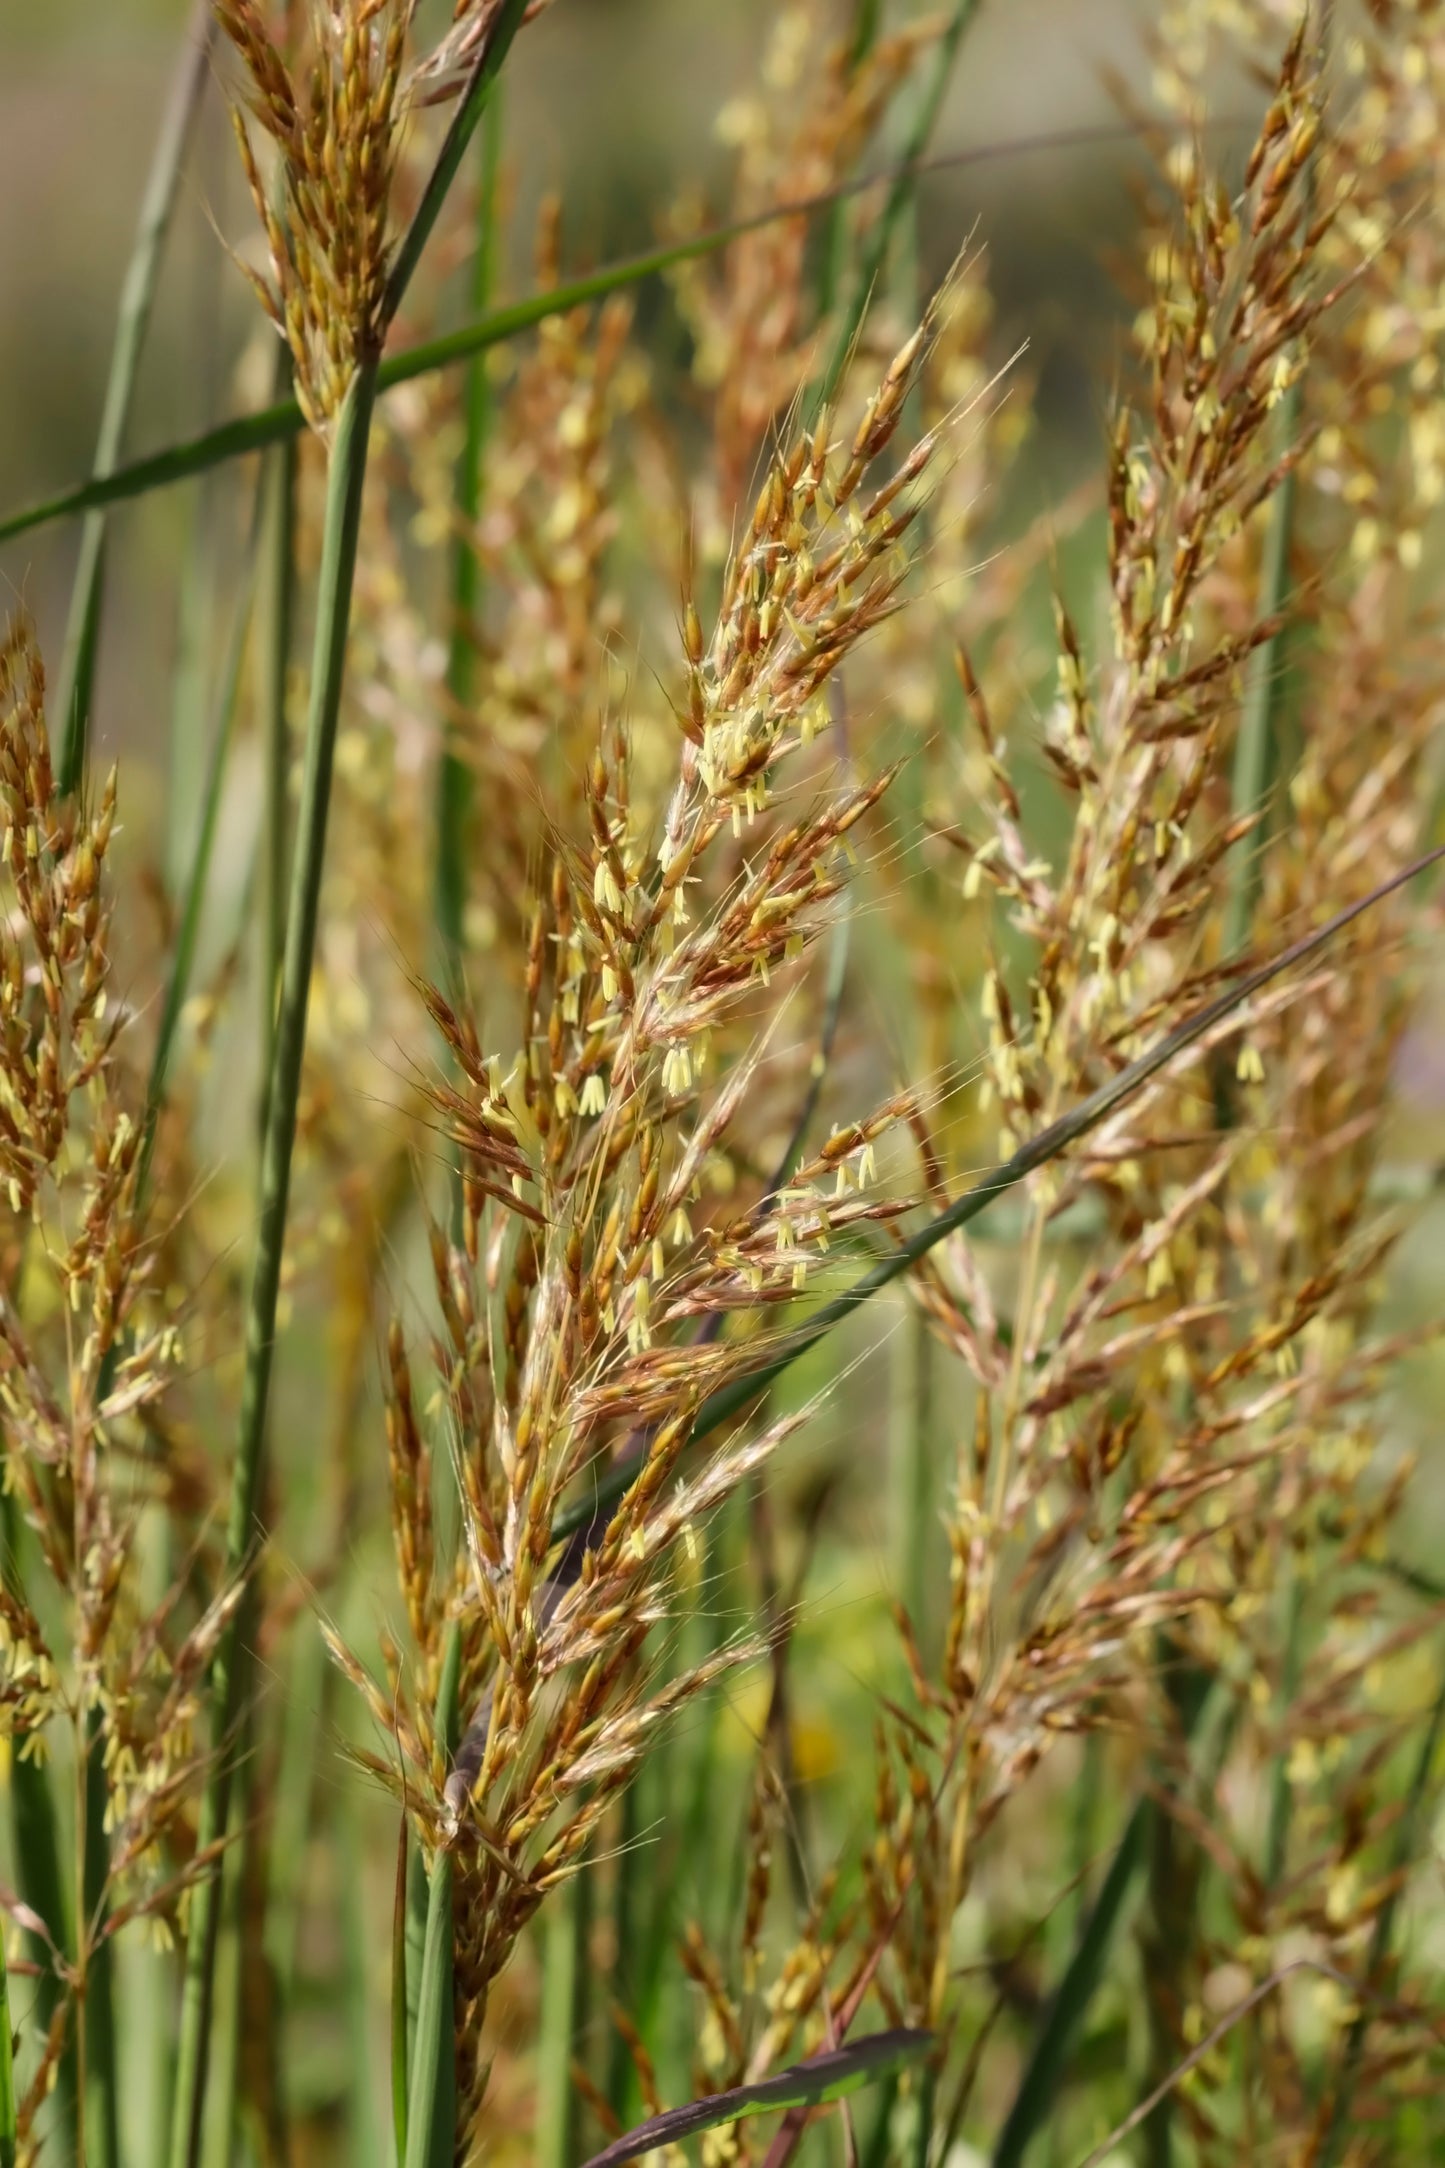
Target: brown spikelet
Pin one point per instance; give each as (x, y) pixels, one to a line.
(333, 126)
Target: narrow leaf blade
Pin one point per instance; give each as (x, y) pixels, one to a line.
(278, 423)
(7, 2070)
(431, 2093)
(807, 2084)
(398, 1999)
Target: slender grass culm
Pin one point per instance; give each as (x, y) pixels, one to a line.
(717, 1321)
(338, 286)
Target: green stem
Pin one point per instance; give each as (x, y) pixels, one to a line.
(189, 691)
(431, 2097)
(276, 622)
(413, 1950)
(98, 2078)
(183, 957)
(302, 1731)
(7, 2069)
(565, 1982)
(900, 193)
(698, 1856)
(227, 2014)
(923, 2125)
(866, 21)
(345, 480)
(626, 1936)
(1074, 1916)
(454, 782)
(431, 2109)
(37, 1854)
(77, 672)
(1046, 2065)
(1256, 749)
(400, 2036)
(833, 263)
(1208, 1722)
(472, 104)
(880, 2136)
(364, 2144)
(1281, 1795)
(1171, 1905)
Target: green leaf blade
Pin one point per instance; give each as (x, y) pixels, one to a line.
(813, 2083)
(7, 2070)
(431, 2091)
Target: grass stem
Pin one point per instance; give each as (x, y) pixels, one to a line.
(473, 102)
(346, 478)
(7, 2070)
(365, 2146)
(833, 262)
(37, 1854)
(923, 2115)
(454, 782)
(431, 2091)
(278, 609)
(221, 2100)
(302, 1729)
(565, 1982)
(183, 955)
(96, 1966)
(900, 193)
(77, 672)
(1044, 2072)
(1256, 750)
(627, 1924)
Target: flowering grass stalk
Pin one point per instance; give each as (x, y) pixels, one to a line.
(335, 321)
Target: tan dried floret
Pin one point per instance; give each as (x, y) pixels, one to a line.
(333, 121)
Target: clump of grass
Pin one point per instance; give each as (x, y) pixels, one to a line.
(1108, 823)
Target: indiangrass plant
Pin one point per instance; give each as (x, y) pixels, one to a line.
(751, 1480)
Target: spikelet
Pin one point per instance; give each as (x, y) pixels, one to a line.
(333, 122)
